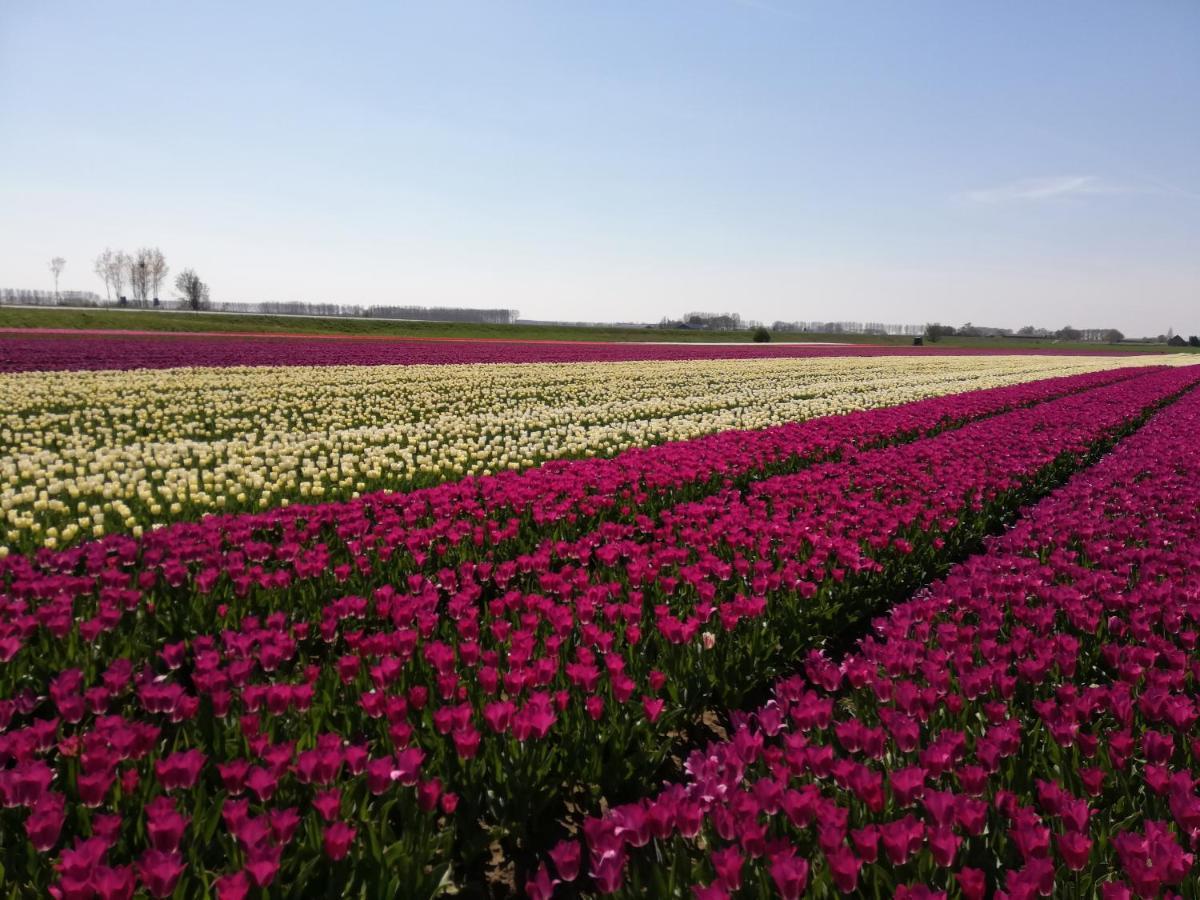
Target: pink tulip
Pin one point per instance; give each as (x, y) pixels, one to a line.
(566, 857)
(159, 871)
(235, 886)
(337, 840)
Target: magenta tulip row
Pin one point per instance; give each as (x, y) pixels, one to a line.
(232, 739)
(66, 351)
(1025, 728)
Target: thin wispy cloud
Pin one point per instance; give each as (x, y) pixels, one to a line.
(1032, 190)
(1167, 189)
(1058, 187)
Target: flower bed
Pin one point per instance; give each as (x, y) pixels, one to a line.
(170, 731)
(70, 351)
(1026, 726)
(493, 518)
(91, 453)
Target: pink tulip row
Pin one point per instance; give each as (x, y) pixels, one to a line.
(1026, 727)
(234, 740)
(66, 351)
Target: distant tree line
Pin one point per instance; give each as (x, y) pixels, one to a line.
(1091, 335)
(706, 321)
(136, 279)
(145, 271)
(879, 328)
(935, 331)
(442, 314)
(340, 310)
(128, 287)
(24, 297)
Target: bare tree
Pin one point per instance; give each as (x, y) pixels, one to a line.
(139, 275)
(56, 268)
(118, 271)
(156, 270)
(103, 269)
(192, 290)
(127, 273)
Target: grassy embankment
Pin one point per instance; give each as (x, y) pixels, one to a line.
(183, 322)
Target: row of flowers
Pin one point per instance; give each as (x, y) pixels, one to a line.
(85, 454)
(80, 350)
(406, 734)
(1024, 728)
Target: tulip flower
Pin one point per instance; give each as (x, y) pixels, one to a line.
(235, 886)
(159, 872)
(337, 840)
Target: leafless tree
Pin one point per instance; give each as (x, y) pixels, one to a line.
(156, 270)
(192, 291)
(103, 269)
(118, 272)
(56, 268)
(139, 275)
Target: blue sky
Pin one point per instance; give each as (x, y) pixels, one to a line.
(1003, 163)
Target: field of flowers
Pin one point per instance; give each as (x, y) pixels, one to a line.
(1026, 726)
(84, 454)
(479, 685)
(79, 349)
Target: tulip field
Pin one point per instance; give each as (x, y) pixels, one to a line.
(88, 453)
(654, 626)
(1026, 725)
(79, 349)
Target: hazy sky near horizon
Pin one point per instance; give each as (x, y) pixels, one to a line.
(1005, 162)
